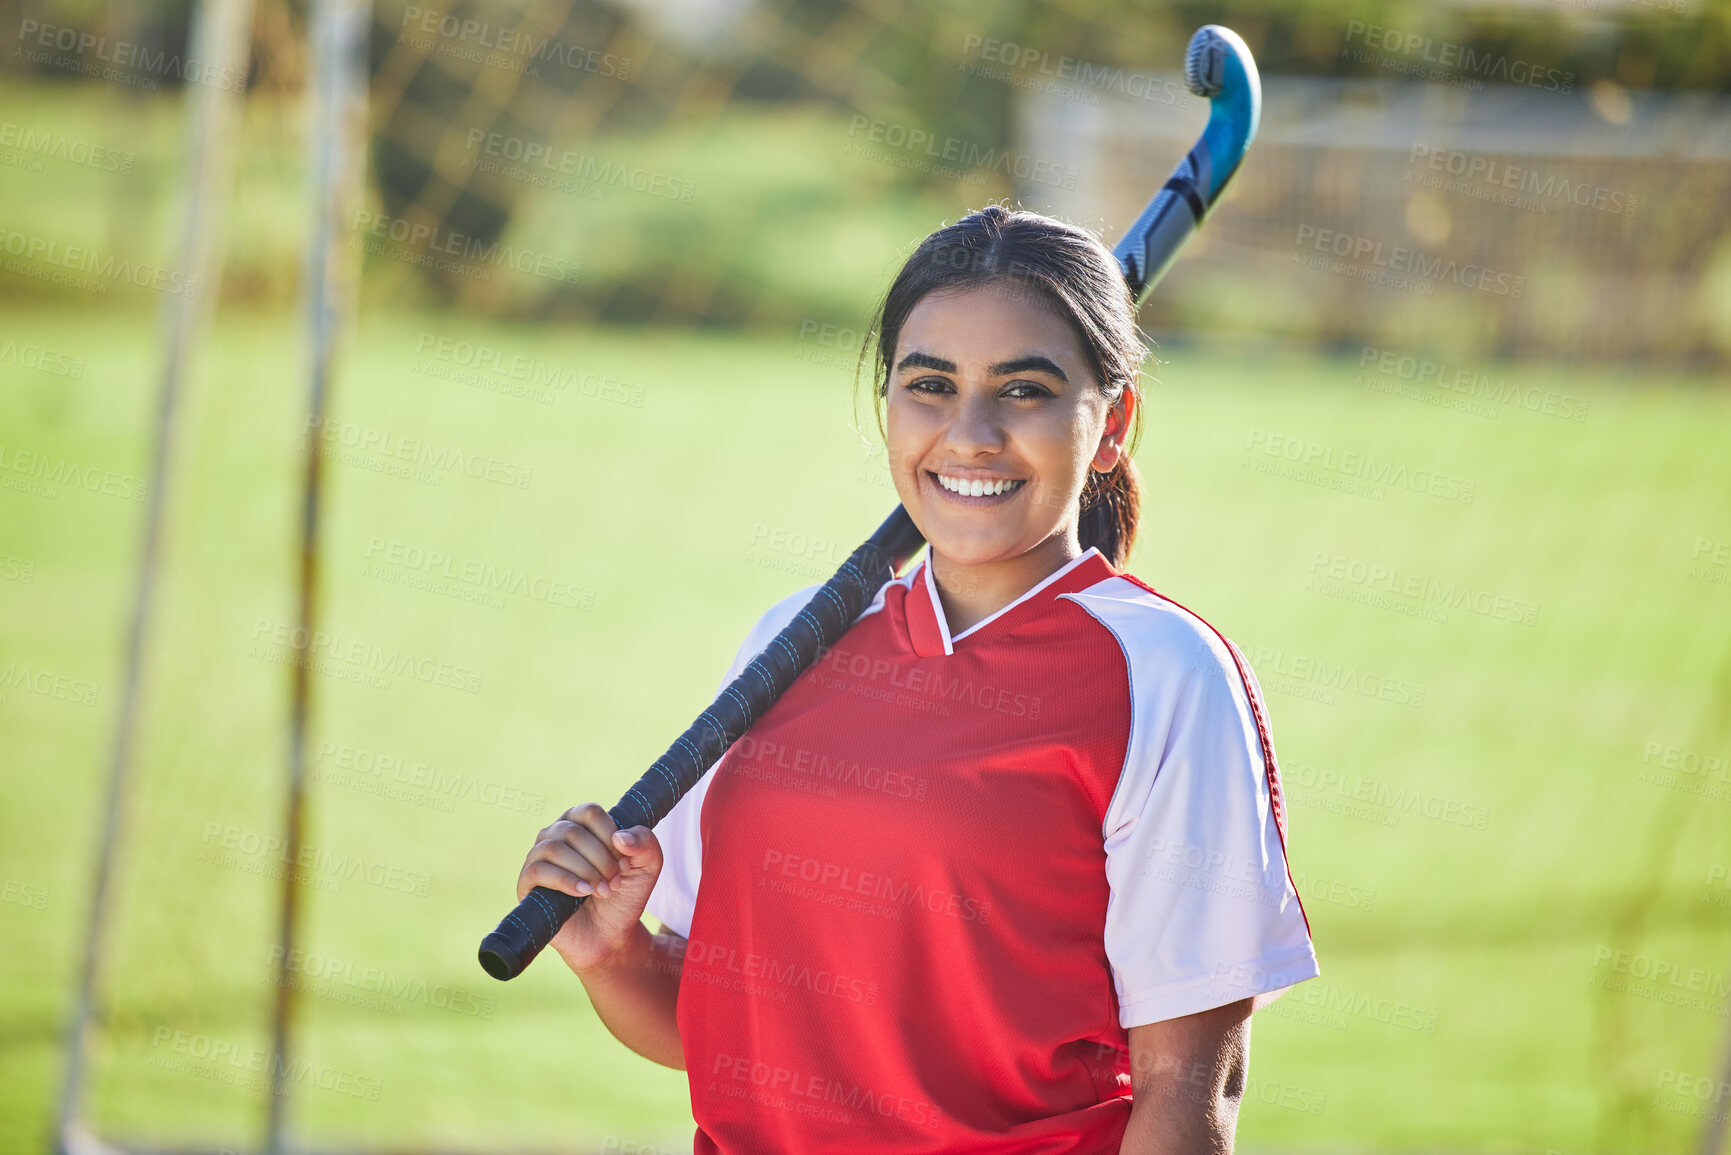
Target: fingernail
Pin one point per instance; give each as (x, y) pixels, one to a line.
(602, 888)
(627, 838)
(584, 888)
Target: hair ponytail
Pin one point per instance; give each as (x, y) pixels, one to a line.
(1111, 510)
(1068, 269)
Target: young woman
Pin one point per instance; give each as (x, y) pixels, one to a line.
(1005, 871)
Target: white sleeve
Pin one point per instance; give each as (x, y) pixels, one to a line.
(1201, 909)
(674, 899)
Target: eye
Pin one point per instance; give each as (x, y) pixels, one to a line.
(934, 385)
(1027, 391)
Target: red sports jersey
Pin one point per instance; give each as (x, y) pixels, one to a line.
(930, 890)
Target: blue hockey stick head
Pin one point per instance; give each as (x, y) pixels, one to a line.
(1218, 66)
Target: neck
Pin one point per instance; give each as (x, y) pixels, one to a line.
(972, 593)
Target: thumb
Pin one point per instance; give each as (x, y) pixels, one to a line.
(639, 846)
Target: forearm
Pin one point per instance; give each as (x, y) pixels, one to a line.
(1189, 1075)
(636, 993)
(1172, 1118)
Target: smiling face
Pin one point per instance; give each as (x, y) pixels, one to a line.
(994, 418)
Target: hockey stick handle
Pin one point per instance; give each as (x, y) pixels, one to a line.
(832, 609)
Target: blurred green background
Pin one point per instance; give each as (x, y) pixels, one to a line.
(1512, 837)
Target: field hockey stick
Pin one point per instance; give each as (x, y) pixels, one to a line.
(1217, 66)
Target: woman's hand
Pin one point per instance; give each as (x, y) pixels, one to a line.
(586, 855)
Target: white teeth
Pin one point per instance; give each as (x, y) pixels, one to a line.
(976, 487)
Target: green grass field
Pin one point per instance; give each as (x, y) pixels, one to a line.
(1504, 830)
(1464, 1003)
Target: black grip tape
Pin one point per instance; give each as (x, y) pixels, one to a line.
(523, 933)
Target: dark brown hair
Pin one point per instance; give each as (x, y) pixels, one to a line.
(1070, 272)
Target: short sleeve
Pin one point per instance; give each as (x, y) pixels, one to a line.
(1201, 909)
(674, 899)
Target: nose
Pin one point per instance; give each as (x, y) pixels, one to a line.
(975, 430)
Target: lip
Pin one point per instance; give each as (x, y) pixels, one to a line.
(931, 478)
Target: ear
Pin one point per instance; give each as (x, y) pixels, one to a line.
(1119, 416)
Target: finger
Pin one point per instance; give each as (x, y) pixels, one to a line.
(641, 848)
(540, 872)
(568, 859)
(574, 814)
(590, 846)
(592, 817)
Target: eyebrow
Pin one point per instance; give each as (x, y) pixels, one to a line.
(1032, 363)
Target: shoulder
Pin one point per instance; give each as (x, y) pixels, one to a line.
(770, 623)
(1195, 705)
(1161, 639)
(776, 618)
(773, 620)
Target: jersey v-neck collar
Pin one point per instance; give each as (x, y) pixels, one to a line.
(929, 631)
